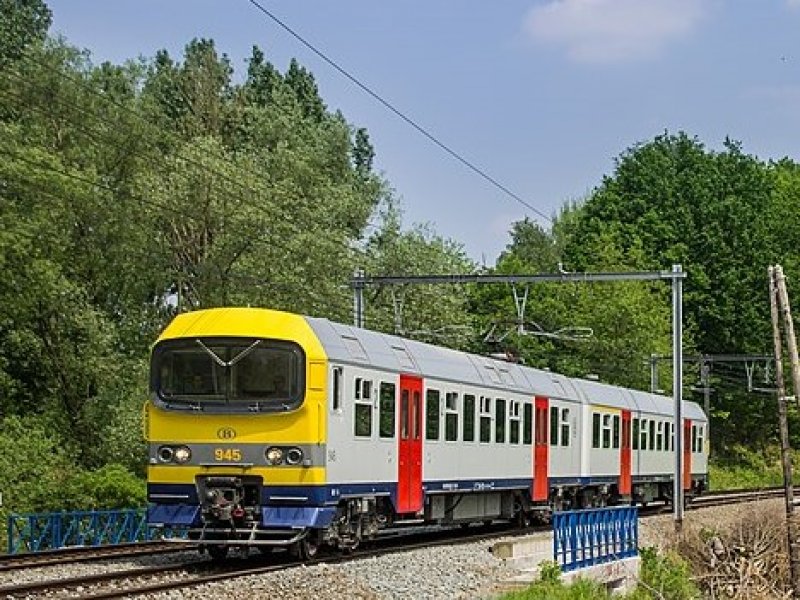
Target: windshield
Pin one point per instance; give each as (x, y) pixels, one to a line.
(228, 374)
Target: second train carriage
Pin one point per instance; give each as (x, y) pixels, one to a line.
(268, 428)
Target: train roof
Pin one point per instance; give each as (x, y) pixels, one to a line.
(352, 345)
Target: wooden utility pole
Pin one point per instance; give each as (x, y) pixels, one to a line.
(777, 288)
(791, 340)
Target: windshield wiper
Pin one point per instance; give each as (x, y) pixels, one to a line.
(232, 361)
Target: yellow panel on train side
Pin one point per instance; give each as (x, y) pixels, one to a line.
(599, 408)
(271, 475)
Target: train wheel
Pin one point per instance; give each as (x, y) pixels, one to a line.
(308, 548)
(523, 519)
(217, 552)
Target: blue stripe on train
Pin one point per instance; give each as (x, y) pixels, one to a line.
(312, 506)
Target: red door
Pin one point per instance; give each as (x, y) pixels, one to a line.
(625, 456)
(541, 486)
(409, 469)
(687, 454)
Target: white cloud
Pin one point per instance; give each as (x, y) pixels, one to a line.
(607, 31)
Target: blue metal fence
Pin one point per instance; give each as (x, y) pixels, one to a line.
(51, 531)
(582, 538)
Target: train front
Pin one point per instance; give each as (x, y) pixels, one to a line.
(235, 423)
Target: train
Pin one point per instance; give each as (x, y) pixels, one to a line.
(269, 429)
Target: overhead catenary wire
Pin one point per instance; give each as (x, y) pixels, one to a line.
(405, 118)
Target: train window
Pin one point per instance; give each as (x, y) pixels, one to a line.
(469, 418)
(499, 420)
(541, 427)
(229, 374)
(363, 389)
(635, 433)
(643, 445)
(701, 431)
(451, 417)
(565, 427)
(652, 434)
(694, 438)
(362, 413)
(606, 431)
(513, 422)
(485, 422)
(527, 423)
(403, 414)
(595, 430)
(432, 415)
(616, 431)
(554, 426)
(659, 435)
(387, 410)
(336, 399)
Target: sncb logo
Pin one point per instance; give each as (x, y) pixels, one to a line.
(226, 433)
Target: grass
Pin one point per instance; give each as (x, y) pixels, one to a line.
(744, 468)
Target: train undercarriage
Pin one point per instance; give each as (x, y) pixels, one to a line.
(231, 514)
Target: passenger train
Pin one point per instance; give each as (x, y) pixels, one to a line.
(269, 429)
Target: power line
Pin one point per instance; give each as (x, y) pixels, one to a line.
(398, 113)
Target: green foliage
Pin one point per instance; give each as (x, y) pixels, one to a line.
(740, 467)
(111, 486)
(434, 314)
(664, 575)
(33, 465)
(626, 322)
(23, 22)
(549, 572)
(582, 589)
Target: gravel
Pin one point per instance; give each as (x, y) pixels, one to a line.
(443, 572)
(33, 574)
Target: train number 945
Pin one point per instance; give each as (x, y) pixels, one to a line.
(227, 454)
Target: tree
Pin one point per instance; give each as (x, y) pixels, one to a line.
(23, 22)
(432, 313)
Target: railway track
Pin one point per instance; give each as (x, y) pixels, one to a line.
(161, 578)
(87, 554)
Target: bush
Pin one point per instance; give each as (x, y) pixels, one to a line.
(664, 575)
(111, 486)
(550, 587)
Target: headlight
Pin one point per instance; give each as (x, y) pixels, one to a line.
(165, 454)
(274, 455)
(182, 454)
(294, 456)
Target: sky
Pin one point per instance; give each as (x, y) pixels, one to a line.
(541, 95)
